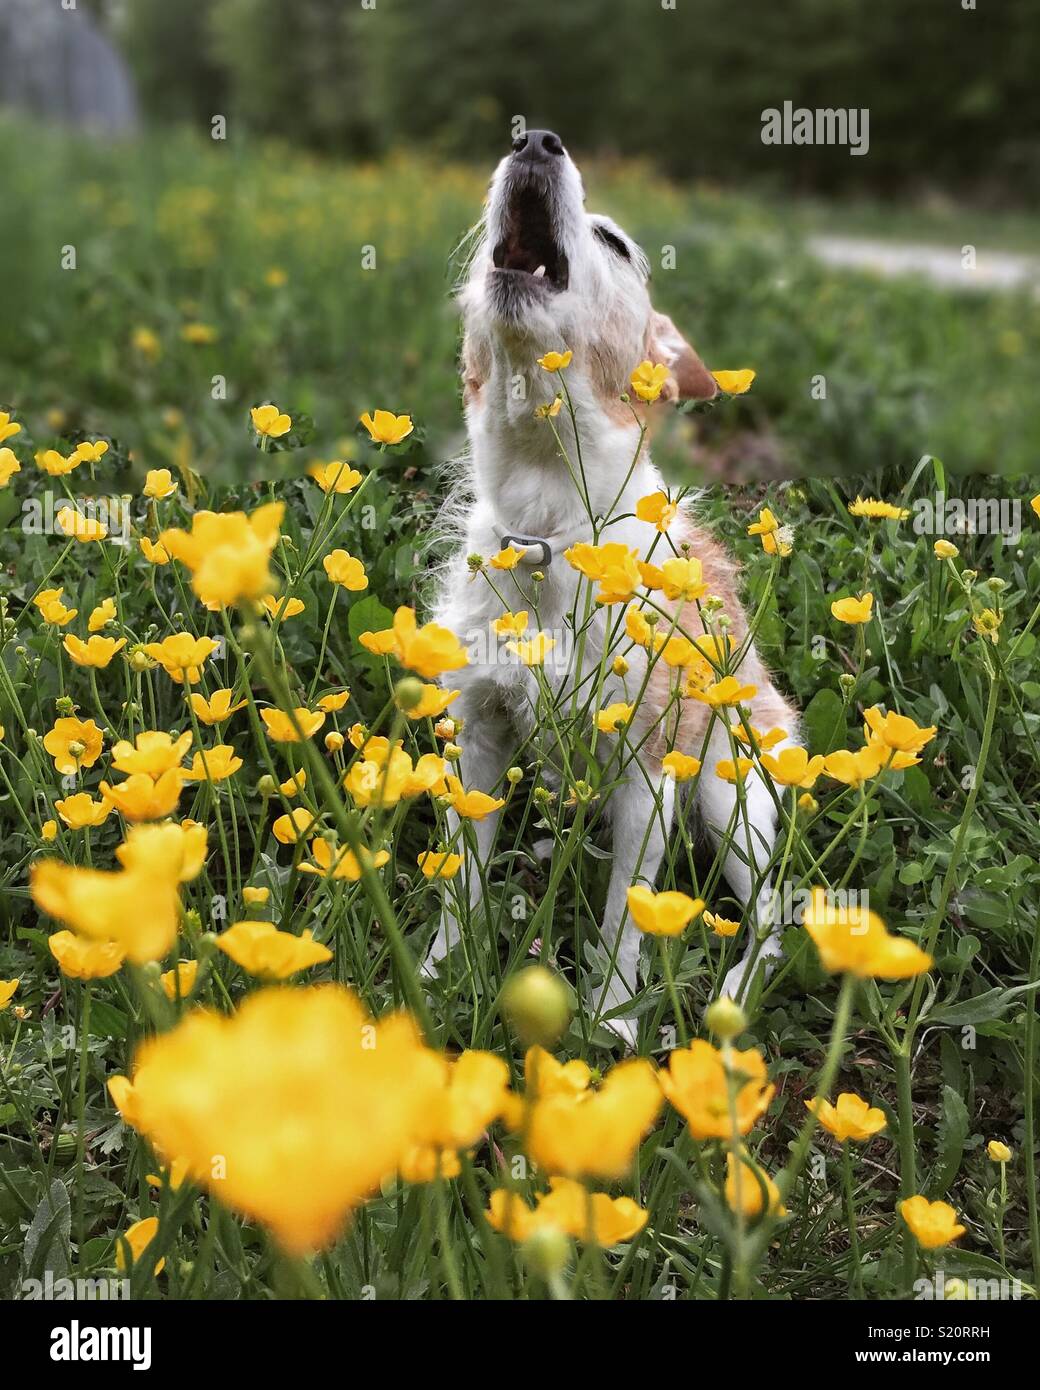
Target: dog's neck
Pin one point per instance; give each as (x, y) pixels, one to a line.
(519, 471)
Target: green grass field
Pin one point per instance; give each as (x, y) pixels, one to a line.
(207, 280)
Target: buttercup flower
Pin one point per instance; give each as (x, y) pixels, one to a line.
(934, 1224)
(56, 465)
(727, 691)
(436, 864)
(344, 569)
(471, 805)
(532, 651)
(433, 703)
(214, 764)
(945, 550)
(748, 1188)
(682, 580)
(854, 939)
(511, 624)
(384, 427)
(138, 1236)
(217, 708)
(343, 862)
(507, 559)
(81, 528)
(182, 656)
(854, 768)
(153, 752)
(334, 701)
(850, 1117)
(141, 797)
(81, 811)
(52, 609)
(95, 651)
(289, 828)
(228, 554)
(102, 615)
(614, 717)
(268, 420)
(9, 466)
(792, 767)
(255, 897)
(338, 476)
(733, 770)
(159, 484)
(657, 508)
(135, 907)
(853, 610)
(735, 383)
(92, 451)
(998, 1152)
(680, 766)
(661, 914)
(695, 1083)
(720, 926)
(8, 427)
(179, 982)
(876, 510)
(775, 538)
(166, 851)
(896, 732)
(283, 607)
(73, 744)
(7, 989)
(430, 650)
(261, 949)
(283, 730)
(648, 379)
(82, 959)
(555, 361)
(154, 553)
(570, 1208)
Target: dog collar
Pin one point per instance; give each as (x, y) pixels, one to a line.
(528, 544)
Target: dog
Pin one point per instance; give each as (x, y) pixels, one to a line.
(548, 275)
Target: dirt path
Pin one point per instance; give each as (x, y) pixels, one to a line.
(943, 265)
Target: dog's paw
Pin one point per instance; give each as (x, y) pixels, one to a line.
(737, 982)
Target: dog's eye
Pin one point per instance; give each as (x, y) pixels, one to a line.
(614, 242)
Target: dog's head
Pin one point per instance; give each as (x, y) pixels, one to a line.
(547, 274)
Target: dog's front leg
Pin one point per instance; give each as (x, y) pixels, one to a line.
(486, 740)
(643, 806)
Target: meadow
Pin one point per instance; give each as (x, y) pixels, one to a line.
(227, 754)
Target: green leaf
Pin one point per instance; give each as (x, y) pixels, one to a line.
(953, 1130)
(824, 722)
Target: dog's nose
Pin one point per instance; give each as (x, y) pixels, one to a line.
(537, 146)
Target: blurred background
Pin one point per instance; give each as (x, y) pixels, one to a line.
(160, 280)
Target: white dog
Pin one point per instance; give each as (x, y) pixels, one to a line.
(547, 275)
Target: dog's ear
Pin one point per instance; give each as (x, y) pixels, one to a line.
(689, 378)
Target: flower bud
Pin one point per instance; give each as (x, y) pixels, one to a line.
(945, 550)
(547, 1251)
(452, 752)
(408, 693)
(726, 1019)
(334, 741)
(620, 666)
(267, 786)
(514, 775)
(537, 1004)
(998, 1152)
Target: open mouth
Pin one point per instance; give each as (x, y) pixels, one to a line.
(528, 249)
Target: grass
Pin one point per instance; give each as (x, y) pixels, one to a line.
(173, 234)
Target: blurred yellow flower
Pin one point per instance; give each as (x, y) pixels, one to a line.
(744, 1185)
(147, 343)
(853, 610)
(170, 850)
(934, 1224)
(775, 538)
(153, 752)
(50, 461)
(283, 607)
(81, 528)
(262, 950)
(7, 989)
(137, 908)
(154, 553)
(735, 383)
(282, 729)
(141, 797)
(228, 553)
(217, 708)
(82, 959)
(532, 651)
(724, 692)
(138, 1236)
(695, 1083)
(81, 811)
(346, 570)
(648, 380)
(876, 510)
(159, 484)
(661, 914)
(341, 862)
(511, 624)
(433, 703)
(337, 476)
(945, 550)
(270, 421)
(854, 939)
(199, 334)
(570, 1208)
(555, 361)
(9, 466)
(384, 427)
(8, 427)
(850, 1117)
(180, 981)
(255, 897)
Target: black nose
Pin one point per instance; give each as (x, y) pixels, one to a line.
(536, 146)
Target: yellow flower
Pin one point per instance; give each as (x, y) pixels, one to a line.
(429, 650)
(167, 851)
(609, 720)
(81, 811)
(281, 728)
(433, 703)
(555, 361)
(261, 949)
(695, 1083)
(282, 608)
(853, 768)
(549, 411)
(473, 1093)
(344, 569)
(871, 507)
(255, 896)
(81, 959)
(136, 907)
(153, 752)
(933, 1224)
(721, 926)
(998, 1152)
(53, 463)
(155, 554)
(854, 939)
(987, 624)
(573, 1130)
(140, 797)
(680, 766)
(945, 550)
(511, 624)
(507, 559)
(217, 708)
(180, 981)
(92, 452)
(289, 828)
(735, 383)
(344, 863)
(656, 508)
(727, 691)
(81, 528)
(49, 831)
(159, 484)
(338, 477)
(102, 615)
(648, 380)
(8, 427)
(662, 914)
(436, 864)
(270, 421)
(730, 771)
(199, 334)
(9, 466)
(138, 1236)
(182, 656)
(745, 1182)
(214, 764)
(775, 538)
(176, 1174)
(853, 610)
(849, 1118)
(228, 554)
(532, 651)
(1034, 502)
(275, 277)
(7, 989)
(308, 1101)
(95, 651)
(570, 1208)
(615, 567)
(73, 744)
(384, 427)
(745, 733)
(896, 732)
(471, 805)
(682, 579)
(793, 767)
(52, 609)
(146, 343)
